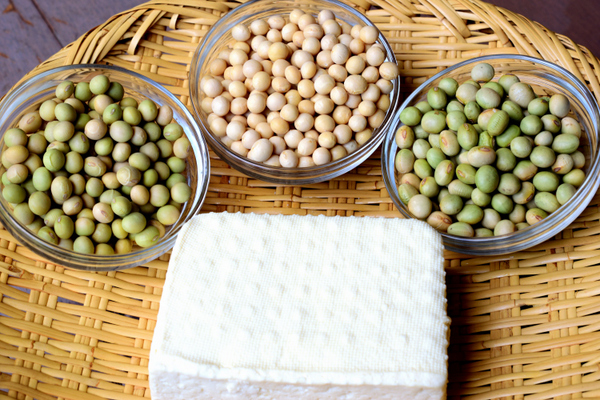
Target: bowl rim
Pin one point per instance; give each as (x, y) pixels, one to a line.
(531, 235)
(94, 262)
(281, 175)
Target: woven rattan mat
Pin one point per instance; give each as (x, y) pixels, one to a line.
(525, 325)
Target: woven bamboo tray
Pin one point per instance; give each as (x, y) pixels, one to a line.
(525, 325)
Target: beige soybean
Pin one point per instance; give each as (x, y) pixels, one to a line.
(297, 74)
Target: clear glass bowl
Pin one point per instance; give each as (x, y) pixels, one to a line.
(544, 77)
(220, 35)
(38, 88)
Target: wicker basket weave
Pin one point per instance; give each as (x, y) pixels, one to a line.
(525, 325)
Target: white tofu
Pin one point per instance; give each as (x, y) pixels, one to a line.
(288, 307)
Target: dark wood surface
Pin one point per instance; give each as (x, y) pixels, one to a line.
(33, 30)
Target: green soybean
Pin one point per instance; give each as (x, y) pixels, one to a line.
(131, 115)
(521, 147)
(479, 198)
(150, 178)
(491, 218)
(565, 143)
(461, 189)
(472, 111)
(518, 214)
(99, 84)
(148, 110)
(115, 91)
(509, 184)
(84, 227)
(521, 93)
(444, 173)
(449, 86)
(112, 113)
(578, 159)
(461, 229)
(47, 234)
(525, 170)
(546, 201)
(419, 205)
(437, 98)
(505, 160)
(507, 80)
(449, 143)
(485, 116)
(542, 156)
(482, 72)
(169, 214)
(148, 237)
(454, 119)
(455, 105)
(514, 111)
(134, 223)
(440, 221)
(434, 156)
(406, 191)
(433, 121)
(496, 87)
(14, 193)
(82, 91)
(467, 136)
(433, 140)
(64, 227)
(564, 192)
(466, 93)
(551, 123)
(404, 161)
(181, 191)
(531, 125)
(488, 98)
(420, 148)
(53, 160)
(470, 214)
(502, 203)
(487, 179)
(483, 232)
(570, 126)
(504, 227)
(538, 107)
(121, 206)
(451, 204)
(559, 105)
(525, 194)
(405, 137)
(544, 138)
(575, 177)
(546, 181)
(509, 134)
(466, 173)
(481, 155)
(423, 107)
(39, 203)
(535, 215)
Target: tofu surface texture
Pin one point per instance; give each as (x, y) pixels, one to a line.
(265, 307)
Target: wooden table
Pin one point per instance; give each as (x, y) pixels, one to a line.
(33, 30)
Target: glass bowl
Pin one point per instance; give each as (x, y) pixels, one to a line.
(544, 77)
(220, 35)
(38, 88)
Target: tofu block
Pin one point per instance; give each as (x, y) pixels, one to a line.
(288, 307)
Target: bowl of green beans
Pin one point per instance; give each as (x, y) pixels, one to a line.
(100, 167)
(498, 153)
